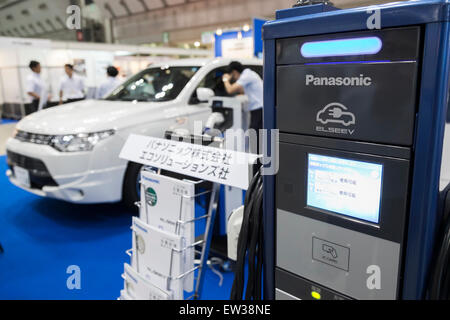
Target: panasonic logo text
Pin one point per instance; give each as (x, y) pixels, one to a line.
(360, 81)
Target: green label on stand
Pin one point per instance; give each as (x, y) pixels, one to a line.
(151, 197)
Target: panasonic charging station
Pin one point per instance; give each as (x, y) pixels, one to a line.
(359, 97)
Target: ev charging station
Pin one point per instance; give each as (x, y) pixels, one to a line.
(229, 113)
(353, 212)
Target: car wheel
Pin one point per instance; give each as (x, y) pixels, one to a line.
(131, 190)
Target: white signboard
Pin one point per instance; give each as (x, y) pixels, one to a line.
(222, 166)
(237, 48)
(6, 42)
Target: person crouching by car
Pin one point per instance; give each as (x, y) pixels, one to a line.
(240, 80)
(72, 86)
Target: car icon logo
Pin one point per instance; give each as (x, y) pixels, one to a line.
(336, 113)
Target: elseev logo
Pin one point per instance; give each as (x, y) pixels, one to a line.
(361, 81)
(336, 113)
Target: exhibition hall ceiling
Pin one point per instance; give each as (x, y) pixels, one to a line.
(140, 21)
(33, 18)
(124, 8)
(6, 3)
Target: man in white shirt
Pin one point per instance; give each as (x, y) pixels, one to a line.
(110, 84)
(248, 82)
(36, 87)
(72, 86)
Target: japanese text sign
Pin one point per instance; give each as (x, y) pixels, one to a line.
(222, 166)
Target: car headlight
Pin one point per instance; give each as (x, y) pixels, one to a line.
(79, 142)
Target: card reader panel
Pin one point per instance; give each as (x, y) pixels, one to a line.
(373, 263)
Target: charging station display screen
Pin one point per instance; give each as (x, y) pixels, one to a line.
(347, 187)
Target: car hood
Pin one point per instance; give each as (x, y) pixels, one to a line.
(93, 116)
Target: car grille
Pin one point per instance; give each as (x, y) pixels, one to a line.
(39, 175)
(34, 138)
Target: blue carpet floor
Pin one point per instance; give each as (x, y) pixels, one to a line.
(42, 237)
(7, 121)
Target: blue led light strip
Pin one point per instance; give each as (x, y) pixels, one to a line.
(341, 47)
(346, 62)
(358, 62)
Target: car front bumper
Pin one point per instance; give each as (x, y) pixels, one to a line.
(81, 177)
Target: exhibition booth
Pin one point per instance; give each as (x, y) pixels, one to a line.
(90, 61)
(171, 187)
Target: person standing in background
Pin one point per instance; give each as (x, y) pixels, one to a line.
(72, 86)
(36, 87)
(111, 83)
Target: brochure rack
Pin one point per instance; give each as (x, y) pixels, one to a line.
(205, 243)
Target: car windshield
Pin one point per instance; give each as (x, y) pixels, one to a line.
(155, 84)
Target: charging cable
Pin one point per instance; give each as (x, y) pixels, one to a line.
(250, 245)
(215, 119)
(439, 286)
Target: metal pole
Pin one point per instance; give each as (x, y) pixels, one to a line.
(208, 237)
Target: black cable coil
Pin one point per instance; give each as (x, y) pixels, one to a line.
(440, 278)
(250, 245)
(439, 281)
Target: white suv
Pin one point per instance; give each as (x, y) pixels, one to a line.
(71, 152)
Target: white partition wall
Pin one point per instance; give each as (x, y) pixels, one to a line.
(90, 59)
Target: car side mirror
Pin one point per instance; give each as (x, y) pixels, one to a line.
(204, 94)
